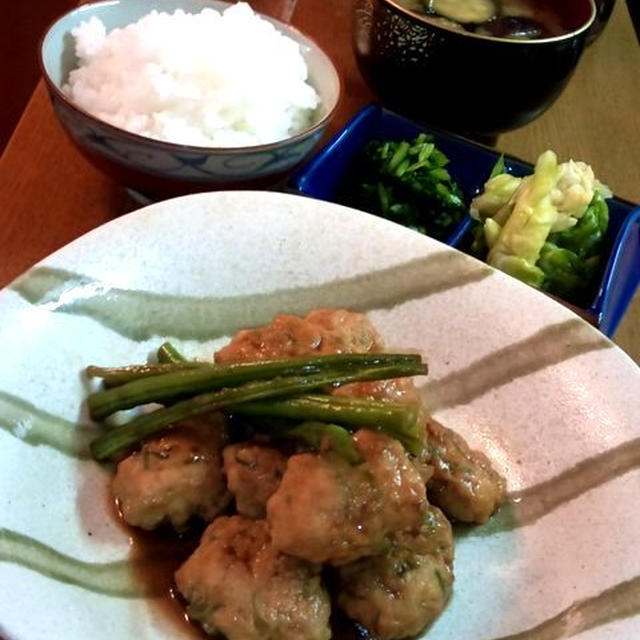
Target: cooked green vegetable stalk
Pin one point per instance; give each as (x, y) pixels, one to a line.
(407, 182)
(168, 354)
(121, 439)
(171, 385)
(340, 409)
(323, 436)
(545, 229)
(399, 421)
(116, 376)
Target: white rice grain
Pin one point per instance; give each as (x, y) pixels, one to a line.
(215, 79)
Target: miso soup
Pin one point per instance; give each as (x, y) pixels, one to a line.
(520, 19)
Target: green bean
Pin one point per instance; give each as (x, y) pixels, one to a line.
(125, 437)
(168, 354)
(399, 421)
(178, 384)
(358, 412)
(116, 376)
(322, 435)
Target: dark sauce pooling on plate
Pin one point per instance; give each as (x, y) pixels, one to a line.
(173, 551)
(157, 577)
(168, 551)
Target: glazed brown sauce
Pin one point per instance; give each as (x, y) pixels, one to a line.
(169, 551)
(156, 555)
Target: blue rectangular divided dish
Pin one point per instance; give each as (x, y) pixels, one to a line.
(470, 165)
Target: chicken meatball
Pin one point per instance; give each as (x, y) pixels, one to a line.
(254, 472)
(460, 480)
(401, 592)
(434, 537)
(400, 390)
(327, 510)
(395, 595)
(236, 583)
(174, 476)
(323, 331)
(464, 484)
(346, 331)
(403, 496)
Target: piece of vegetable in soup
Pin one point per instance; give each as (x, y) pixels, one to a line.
(514, 19)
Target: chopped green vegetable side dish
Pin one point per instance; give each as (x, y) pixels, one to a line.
(570, 259)
(546, 229)
(406, 182)
(585, 239)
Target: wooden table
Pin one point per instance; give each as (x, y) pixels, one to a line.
(49, 195)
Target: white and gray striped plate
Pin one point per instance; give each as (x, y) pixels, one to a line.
(551, 401)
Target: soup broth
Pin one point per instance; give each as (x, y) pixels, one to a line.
(519, 19)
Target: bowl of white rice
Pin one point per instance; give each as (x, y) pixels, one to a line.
(178, 96)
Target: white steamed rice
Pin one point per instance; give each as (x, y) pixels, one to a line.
(219, 79)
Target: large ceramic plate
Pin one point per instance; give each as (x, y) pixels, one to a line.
(552, 402)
